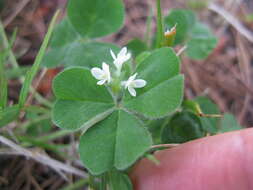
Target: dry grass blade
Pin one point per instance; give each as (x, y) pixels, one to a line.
(42, 158)
(232, 20)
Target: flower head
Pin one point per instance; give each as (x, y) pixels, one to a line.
(171, 31)
(103, 75)
(133, 83)
(121, 58)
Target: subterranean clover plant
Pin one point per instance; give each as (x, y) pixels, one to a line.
(105, 104)
(122, 100)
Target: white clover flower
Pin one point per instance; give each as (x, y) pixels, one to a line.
(121, 58)
(133, 83)
(103, 75)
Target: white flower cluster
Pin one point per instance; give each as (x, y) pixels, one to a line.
(104, 76)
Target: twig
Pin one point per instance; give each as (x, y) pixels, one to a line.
(181, 50)
(19, 8)
(244, 63)
(41, 76)
(232, 20)
(42, 158)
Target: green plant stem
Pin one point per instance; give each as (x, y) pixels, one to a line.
(28, 141)
(160, 30)
(103, 182)
(54, 135)
(31, 74)
(25, 125)
(15, 65)
(91, 182)
(77, 185)
(148, 27)
(3, 79)
(3, 85)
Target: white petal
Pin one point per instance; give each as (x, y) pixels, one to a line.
(112, 54)
(128, 56)
(124, 83)
(132, 91)
(139, 83)
(106, 70)
(131, 78)
(101, 82)
(105, 67)
(122, 52)
(97, 73)
(117, 63)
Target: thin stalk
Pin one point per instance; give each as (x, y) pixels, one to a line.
(15, 65)
(3, 84)
(31, 73)
(148, 27)
(103, 182)
(160, 30)
(54, 135)
(77, 185)
(3, 79)
(25, 125)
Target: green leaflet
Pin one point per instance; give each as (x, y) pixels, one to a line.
(79, 53)
(69, 48)
(116, 142)
(136, 47)
(164, 90)
(201, 42)
(119, 181)
(229, 123)
(80, 101)
(96, 18)
(182, 127)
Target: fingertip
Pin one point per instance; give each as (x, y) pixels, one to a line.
(216, 162)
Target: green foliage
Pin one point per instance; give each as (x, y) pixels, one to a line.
(164, 90)
(120, 140)
(120, 181)
(184, 21)
(155, 127)
(210, 124)
(68, 48)
(64, 33)
(96, 18)
(229, 123)
(136, 46)
(201, 42)
(182, 127)
(80, 101)
(31, 74)
(8, 115)
(2, 4)
(197, 36)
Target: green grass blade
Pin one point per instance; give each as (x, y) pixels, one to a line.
(76, 185)
(31, 74)
(3, 85)
(160, 30)
(3, 80)
(15, 73)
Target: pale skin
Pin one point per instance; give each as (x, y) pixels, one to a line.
(221, 162)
